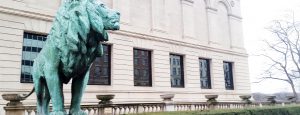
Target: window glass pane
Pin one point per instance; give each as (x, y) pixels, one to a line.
(177, 76)
(31, 48)
(100, 69)
(142, 68)
(228, 75)
(204, 73)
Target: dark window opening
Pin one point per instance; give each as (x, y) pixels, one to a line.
(228, 75)
(100, 72)
(176, 70)
(205, 73)
(142, 67)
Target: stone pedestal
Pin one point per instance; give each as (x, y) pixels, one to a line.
(271, 99)
(211, 100)
(14, 110)
(167, 99)
(290, 98)
(246, 99)
(14, 106)
(105, 99)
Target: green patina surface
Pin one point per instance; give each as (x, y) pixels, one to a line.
(73, 43)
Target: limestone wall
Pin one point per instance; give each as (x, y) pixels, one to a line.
(193, 28)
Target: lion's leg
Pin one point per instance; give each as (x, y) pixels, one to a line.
(39, 90)
(46, 100)
(78, 86)
(54, 85)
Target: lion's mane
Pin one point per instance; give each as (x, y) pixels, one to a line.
(74, 34)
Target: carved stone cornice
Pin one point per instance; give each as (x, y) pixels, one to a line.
(26, 13)
(176, 42)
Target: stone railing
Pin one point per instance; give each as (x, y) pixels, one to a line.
(98, 109)
(106, 107)
(133, 108)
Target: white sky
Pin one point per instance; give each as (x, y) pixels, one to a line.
(257, 14)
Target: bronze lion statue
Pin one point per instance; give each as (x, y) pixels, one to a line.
(73, 44)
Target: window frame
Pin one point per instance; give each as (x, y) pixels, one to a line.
(149, 66)
(231, 79)
(208, 62)
(181, 57)
(26, 77)
(92, 70)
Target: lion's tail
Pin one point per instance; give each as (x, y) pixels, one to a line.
(28, 94)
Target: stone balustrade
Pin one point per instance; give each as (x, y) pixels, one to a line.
(106, 107)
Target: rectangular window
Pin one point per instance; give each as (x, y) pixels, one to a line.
(100, 69)
(205, 73)
(32, 45)
(228, 75)
(142, 67)
(176, 70)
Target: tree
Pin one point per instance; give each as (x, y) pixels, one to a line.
(283, 52)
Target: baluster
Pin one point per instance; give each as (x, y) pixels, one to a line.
(148, 108)
(95, 111)
(89, 110)
(180, 107)
(120, 110)
(152, 108)
(114, 110)
(29, 111)
(124, 110)
(135, 108)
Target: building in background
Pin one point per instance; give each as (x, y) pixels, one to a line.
(186, 47)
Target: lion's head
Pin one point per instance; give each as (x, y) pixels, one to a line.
(78, 28)
(109, 18)
(77, 19)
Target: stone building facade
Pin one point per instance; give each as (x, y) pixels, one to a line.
(186, 47)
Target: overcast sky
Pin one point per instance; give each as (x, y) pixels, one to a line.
(257, 14)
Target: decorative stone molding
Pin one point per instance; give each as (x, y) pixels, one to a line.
(176, 42)
(211, 9)
(188, 1)
(29, 14)
(235, 16)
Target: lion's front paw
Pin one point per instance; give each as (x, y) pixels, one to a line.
(58, 113)
(78, 112)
